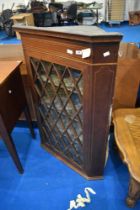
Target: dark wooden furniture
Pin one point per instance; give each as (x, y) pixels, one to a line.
(15, 53)
(127, 136)
(134, 17)
(13, 103)
(72, 72)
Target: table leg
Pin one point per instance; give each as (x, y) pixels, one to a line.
(133, 193)
(10, 145)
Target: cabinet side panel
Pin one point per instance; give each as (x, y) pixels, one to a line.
(96, 117)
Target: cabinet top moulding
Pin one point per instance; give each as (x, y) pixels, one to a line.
(90, 34)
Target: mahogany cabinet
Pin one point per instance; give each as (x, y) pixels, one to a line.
(72, 72)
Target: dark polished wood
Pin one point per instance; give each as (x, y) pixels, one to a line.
(13, 103)
(55, 50)
(134, 17)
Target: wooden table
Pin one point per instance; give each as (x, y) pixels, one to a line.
(127, 136)
(13, 103)
(15, 53)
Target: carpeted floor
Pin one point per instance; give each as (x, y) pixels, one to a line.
(130, 33)
(48, 184)
(8, 40)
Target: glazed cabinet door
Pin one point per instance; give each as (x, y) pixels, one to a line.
(60, 109)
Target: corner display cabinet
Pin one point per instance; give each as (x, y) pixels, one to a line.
(72, 72)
